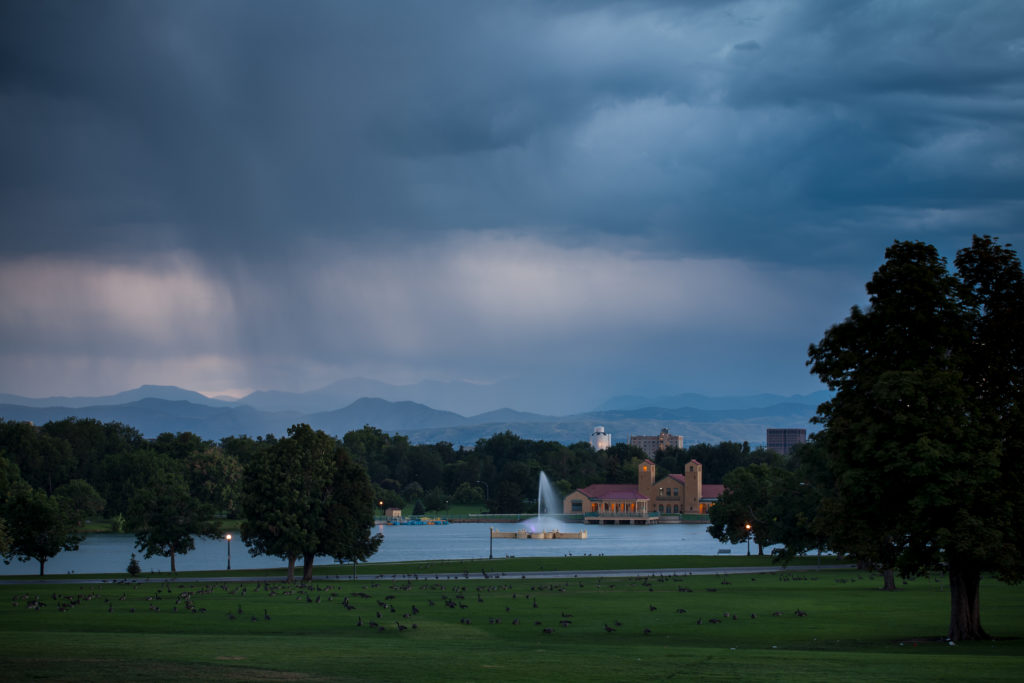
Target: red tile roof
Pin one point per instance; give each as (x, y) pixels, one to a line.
(613, 492)
(678, 477)
(713, 491)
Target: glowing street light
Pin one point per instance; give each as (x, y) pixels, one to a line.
(748, 539)
(228, 537)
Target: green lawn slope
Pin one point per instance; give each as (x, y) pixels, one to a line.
(817, 625)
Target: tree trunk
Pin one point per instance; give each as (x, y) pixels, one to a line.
(889, 579)
(173, 569)
(760, 550)
(42, 562)
(291, 569)
(965, 603)
(307, 567)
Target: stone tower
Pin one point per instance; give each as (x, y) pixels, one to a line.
(645, 479)
(694, 485)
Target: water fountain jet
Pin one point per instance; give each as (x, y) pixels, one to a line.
(549, 504)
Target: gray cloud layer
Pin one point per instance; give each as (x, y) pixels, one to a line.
(463, 189)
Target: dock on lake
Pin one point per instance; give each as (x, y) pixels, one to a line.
(526, 533)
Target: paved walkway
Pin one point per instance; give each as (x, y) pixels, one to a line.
(453, 576)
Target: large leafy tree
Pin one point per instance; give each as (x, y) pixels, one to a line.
(984, 530)
(771, 504)
(345, 531)
(918, 441)
(305, 497)
(39, 526)
(742, 513)
(799, 484)
(166, 517)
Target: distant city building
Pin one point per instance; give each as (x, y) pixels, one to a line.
(783, 440)
(650, 445)
(599, 440)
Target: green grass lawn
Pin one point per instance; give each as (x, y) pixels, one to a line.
(852, 631)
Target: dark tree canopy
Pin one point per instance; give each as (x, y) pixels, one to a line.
(741, 513)
(305, 497)
(82, 497)
(38, 526)
(922, 439)
(165, 516)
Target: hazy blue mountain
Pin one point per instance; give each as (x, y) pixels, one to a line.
(507, 415)
(153, 416)
(387, 416)
(696, 426)
(467, 398)
(712, 402)
(421, 423)
(464, 398)
(167, 393)
(331, 397)
(780, 412)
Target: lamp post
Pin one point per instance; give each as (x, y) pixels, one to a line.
(748, 539)
(380, 504)
(487, 489)
(490, 554)
(228, 537)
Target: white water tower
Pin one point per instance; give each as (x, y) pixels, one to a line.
(599, 440)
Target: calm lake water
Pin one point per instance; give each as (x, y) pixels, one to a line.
(111, 552)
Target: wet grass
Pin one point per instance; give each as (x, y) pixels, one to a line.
(518, 629)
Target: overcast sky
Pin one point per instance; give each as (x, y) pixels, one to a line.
(621, 197)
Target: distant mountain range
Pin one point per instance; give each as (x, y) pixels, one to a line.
(157, 409)
(711, 402)
(146, 391)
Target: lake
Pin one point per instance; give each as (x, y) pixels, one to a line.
(101, 553)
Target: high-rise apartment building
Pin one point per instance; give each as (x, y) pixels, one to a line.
(783, 440)
(650, 445)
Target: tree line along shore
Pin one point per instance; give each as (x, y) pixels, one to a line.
(60, 479)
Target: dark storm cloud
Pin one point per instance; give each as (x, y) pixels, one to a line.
(472, 190)
(193, 124)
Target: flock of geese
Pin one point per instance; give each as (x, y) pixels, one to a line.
(377, 613)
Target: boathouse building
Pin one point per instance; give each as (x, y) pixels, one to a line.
(647, 500)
